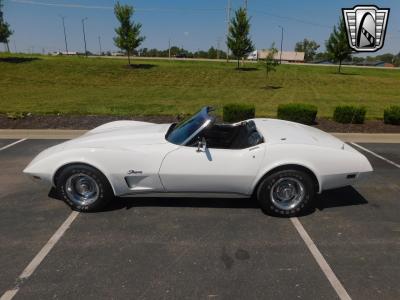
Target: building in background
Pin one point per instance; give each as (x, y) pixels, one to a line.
(287, 56)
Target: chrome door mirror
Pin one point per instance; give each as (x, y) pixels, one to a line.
(201, 145)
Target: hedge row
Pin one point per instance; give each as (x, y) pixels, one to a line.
(298, 112)
(238, 112)
(349, 114)
(306, 113)
(391, 115)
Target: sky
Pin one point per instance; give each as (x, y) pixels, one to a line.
(192, 24)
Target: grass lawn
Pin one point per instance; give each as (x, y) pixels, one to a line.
(78, 85)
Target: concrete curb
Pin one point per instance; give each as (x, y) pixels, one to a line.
(70, 134)
(33, 134)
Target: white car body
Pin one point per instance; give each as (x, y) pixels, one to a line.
(138, 160)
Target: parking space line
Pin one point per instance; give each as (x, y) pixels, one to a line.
(12, 144)
(8, 295)
(376, 155)
(340, 290)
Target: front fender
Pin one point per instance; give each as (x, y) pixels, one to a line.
(47, 163)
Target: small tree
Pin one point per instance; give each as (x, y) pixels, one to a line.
(309, 47)
(239, 35)
(5, 31)
(270, 62)
(337, 45)
(128, 34)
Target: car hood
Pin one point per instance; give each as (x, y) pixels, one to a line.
(121, 134)
(285, 132)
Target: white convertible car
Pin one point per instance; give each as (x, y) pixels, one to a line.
(283, 164)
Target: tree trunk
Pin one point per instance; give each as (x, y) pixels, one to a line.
(238, 61)
(129, 58)
(340, 65)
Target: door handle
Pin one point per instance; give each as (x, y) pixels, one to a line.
(254, 148)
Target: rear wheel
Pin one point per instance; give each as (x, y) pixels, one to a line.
(84, 188)
(286, 193)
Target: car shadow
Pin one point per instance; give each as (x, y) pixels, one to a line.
(346, 196)
(128, 203)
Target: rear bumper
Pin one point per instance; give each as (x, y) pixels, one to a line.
(339, 180)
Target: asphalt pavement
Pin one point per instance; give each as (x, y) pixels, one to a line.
(199, 248)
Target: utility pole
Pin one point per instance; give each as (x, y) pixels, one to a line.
(169, 48)
(65, 35)
(84, 35)
(245, 5)
(218, 46)
(15, 47)
(100, 45)
(228, 22)
(280, 56)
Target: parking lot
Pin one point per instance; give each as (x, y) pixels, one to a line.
(200, 248)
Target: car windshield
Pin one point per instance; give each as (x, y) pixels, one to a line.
(185, 130)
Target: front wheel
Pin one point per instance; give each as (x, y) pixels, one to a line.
(84, 188)
(286, 193)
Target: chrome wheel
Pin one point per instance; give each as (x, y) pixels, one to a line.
(287, 193)
(82, 189)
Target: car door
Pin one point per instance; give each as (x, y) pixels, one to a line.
(211, 170)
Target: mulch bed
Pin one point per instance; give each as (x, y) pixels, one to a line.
(89, 122)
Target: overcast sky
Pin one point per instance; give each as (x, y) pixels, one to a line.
(195, 24)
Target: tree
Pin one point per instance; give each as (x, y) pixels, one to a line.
(128, 34)
(337, 45)
(5, 31)
(309, 47)
(321, 56)
(386, 57)
(357, 60)
(270, 62)
(238, 38)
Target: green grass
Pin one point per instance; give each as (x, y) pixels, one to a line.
(76, 85)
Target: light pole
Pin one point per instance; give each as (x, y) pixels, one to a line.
(65, 35)
(218, 46)
(280, 56)
(169, 49)
(84, 35)
(228, 25)
(100, 45)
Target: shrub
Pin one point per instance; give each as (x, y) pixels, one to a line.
(298, 112)
(238, 112)
(392, 115)
(349, 114)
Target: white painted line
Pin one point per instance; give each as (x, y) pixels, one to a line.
(12, 144)
(8, 295)
(376, 155)
(340, 290)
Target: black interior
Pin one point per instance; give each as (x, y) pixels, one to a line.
(227, 136)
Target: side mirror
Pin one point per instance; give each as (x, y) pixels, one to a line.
(201, 145)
